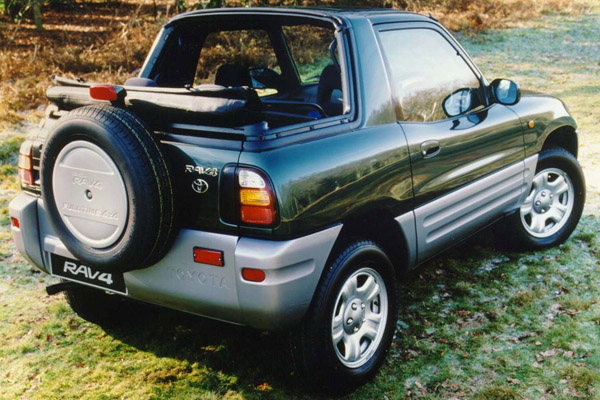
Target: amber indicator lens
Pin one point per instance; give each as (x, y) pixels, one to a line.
(24, 161)
(207, 256)
(253, 275)
(255, 197)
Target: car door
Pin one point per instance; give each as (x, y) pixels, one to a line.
(466, 154)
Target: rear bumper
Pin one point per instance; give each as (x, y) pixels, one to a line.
(292, 269)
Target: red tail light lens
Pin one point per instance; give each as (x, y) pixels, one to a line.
(257, 215)
(25, 165)
(15, 222)
(257, 201)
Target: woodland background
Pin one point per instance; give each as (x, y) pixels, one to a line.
(479, 322)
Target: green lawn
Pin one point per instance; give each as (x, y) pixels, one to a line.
(477, 323)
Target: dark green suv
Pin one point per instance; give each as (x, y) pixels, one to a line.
(279, 168)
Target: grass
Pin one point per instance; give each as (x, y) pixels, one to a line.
(477, 323)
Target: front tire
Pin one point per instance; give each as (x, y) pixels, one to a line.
(555, 203)
(347, 332)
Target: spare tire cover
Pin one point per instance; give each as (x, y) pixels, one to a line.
(107, 190)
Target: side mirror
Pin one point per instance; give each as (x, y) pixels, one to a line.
(505, 91)
(264, 78)
(458, 102)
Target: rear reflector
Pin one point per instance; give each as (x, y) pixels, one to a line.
(15, 222)
(103, 92)
(210, 257)
(253, 275)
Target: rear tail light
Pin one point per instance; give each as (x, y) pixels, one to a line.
(25, 165)
(256, 198)
(15, 222)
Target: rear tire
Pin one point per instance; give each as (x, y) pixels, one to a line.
(346, 334)
(99, 307)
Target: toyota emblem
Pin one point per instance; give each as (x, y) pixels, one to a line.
(200, 186)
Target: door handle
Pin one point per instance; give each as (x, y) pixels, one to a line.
(430, 148)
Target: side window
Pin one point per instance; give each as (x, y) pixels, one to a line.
(430, 80)
(309, 46)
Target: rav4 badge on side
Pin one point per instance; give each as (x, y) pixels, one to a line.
(201, 170)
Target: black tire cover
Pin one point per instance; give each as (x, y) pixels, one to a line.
(107, 190)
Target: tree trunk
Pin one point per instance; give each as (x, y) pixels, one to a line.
(37, 15)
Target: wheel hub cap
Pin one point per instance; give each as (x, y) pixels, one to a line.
(359, 317)
(90, 195)
(549, 204)
(354, 316)
(543, 201)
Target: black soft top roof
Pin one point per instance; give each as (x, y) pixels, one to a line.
(335, 14)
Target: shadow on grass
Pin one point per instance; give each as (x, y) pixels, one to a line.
(256, 357)
(257, 360)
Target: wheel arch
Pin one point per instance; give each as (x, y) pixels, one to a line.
(564, 137)
(392, 234)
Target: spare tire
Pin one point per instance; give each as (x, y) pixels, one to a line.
(107, 189)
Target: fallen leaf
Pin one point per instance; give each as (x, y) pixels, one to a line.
(513, 381)
(526, 335)
(569, 354)
(263, 387)
(548, 353)
(536, 365)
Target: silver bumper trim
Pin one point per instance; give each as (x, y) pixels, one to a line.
(292, 268)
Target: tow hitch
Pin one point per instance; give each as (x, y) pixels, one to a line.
(60, 287)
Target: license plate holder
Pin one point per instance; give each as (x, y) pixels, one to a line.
(73, 270)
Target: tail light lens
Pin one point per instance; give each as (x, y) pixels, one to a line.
(257, 201)
(25, 165)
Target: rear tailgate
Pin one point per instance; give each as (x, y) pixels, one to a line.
(196, 166)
